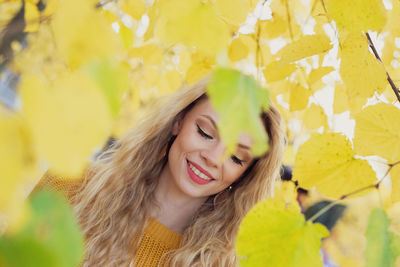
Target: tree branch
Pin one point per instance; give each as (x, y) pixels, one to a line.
(395, 89)
(334, 202)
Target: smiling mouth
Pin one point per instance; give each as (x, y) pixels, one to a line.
(197, 175)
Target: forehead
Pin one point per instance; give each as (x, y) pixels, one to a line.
(204, 108)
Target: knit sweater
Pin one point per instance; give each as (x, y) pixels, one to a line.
(156, 240)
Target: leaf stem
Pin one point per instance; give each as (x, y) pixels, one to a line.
(372, 46)
(289, 19)
(334, 202)
(323, 210)
(259, 56)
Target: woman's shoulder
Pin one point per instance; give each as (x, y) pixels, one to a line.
(68, 186)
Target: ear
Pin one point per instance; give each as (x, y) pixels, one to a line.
(177, 126)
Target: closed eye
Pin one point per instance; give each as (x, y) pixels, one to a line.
(237, 160)
(202, 133)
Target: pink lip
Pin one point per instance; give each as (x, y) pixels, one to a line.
(194, 177)
(202, 170)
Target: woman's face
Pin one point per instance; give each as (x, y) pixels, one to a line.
(195, 161)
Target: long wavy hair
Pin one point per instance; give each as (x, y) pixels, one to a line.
(118, 191)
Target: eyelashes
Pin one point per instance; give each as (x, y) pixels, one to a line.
(209, 137)
(202, 133)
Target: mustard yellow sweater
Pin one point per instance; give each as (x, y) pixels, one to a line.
(157, 238)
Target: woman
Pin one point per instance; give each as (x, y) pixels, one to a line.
(162, 195)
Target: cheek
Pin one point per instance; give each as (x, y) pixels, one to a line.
(232, 173)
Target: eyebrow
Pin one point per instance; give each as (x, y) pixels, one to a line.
(210, 119)
(215, 126)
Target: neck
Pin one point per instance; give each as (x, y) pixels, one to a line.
(176, 209)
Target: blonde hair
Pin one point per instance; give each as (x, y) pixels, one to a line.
(118, 191)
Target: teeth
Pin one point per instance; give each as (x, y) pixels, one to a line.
(199, 173)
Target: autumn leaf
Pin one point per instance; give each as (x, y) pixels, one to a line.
(32, 17)
(306, 46)
(362, 74)
(377, 133)
(192, 22)
(79, 41)
(340, 102)
(234, 11)
(382, 245)
(328, 162)
(357, 15)
(151, 54)
(314, 117)
(276, 71)
(135, 8)
(47, 235)
(274, 234)
(395, 178)
(201, 66)
(112, 77)
(234, 95)
(16, 155)
(237, 50)
(298, 97)
(68, 119)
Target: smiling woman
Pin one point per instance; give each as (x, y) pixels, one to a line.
(166, 194)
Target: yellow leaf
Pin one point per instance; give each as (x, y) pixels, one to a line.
(273, 234)
(315, 117)
(184, 60)
(68, 119)
(340, 102)
(153, 15)
(327, 162)
(280, 87)
(285, 192)
(391, 32)
(237, 50)
(377, 132)
(270, 29)
(360, 71)
(315, 77)
(202, 65)
(318, 73)
(298, 97)
(347, 242)
(16, 156)
(51, 6)
(127, 36)
(169, 82)
(18, 214)
(235, 11)
(194, 23)
(288, 156)
(283, 22)
(307, 45)
(357, 15)
(79, 41)
(9, 10)
(129, 113)
(276, 71)
(150, 53)
(32, 17)
(395, 178)
(135, 8)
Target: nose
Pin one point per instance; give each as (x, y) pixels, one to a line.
(212, 155)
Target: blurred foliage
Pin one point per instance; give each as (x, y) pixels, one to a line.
(88, 70)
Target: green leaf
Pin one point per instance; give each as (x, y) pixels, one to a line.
(51, 238)
(383, 246)
(235, 95)
(273, 234)
(112, 78)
